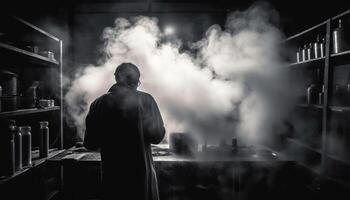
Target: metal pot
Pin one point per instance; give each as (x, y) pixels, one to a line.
(9, 103)
(8, 81)
(312, 94)
(182, 143)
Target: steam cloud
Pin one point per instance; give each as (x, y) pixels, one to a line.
(234, 85)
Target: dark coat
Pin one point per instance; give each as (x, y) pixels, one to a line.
(122, 124)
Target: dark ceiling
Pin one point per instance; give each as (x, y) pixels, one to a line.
(295, 15)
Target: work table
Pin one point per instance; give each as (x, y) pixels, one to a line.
(212, 172)
(161, 153)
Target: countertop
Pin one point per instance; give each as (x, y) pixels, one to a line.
(161, 153)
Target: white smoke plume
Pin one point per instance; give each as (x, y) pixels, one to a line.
(235, 83)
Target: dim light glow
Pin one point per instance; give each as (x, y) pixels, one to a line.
(169, 30)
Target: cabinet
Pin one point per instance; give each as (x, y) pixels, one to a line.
(32, 55)
(320, 126)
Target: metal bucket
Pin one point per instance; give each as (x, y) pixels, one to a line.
(9, 103)
(8, 82)
(182, 143)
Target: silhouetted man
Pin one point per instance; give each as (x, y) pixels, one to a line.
(122, 124)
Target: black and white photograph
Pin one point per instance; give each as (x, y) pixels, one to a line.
(174, 100)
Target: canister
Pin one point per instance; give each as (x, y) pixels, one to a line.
(183, 143)
(304, 53)
(234, 144)
(312, 94)
(322, 47)
(310, 52)
(317, 47)
(18, 148)
(44, 139)
(8, 81)
(9, 103)
(7, 148)
(338, 38)
(32, 95)
(298, 55)
(26, 146)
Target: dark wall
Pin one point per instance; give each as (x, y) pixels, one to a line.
(88, 29)
(80, 23)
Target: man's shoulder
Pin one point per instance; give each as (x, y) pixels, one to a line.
(99, 99)
(144, 94)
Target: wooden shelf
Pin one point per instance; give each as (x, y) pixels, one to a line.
(32, 56)
(313, 151)
(36, 161)
(341, 58)
(28, 111)
(304, 105)
(338, 158)
(35, 28)
(341, 54)
(53, 194)
(306, 31)
(341, 15)
(309, 63)
(17, 42)
(301, 144)
(339, 108)
(315, 169)
(304, 154)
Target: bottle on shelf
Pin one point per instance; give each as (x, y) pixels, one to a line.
(26, 146)
(12, 132)
(338, 38)
(312, 94)
(340, 95)
(304, 53)
(320, 95)
(310, 52)
(299, 55)
(205, 145)
(44, 139)
(234, 144)
(33, 95)
(317, 47)
(18, 149)
(7, 149)
(322, 47)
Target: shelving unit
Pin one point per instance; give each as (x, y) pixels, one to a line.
(328, 160)
(25, 24)
(309, 63)
(341, 58)
(15, 35)
(303, 145)
(35, 162)
(339, 109)
(32, 56)
(28, 111)
(303, 105)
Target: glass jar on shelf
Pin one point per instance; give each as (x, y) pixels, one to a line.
(338, 38)
(18, 149)
(26, 146)
(44, 139)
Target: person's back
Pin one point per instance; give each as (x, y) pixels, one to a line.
(123, 123)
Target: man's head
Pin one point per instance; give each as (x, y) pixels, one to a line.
(128, 74)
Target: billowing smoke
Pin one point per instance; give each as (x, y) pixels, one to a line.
(232, 82)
